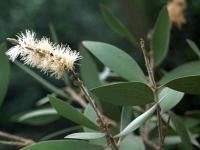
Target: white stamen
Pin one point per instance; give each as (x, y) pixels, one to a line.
(43, 54)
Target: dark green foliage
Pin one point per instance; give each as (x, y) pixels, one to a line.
(130, 93)
(5, 72)
(123, 95)
(63, 145)
(113, 57)
(66, 110)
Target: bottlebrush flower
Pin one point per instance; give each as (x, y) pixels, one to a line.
(176, 9)
(42, 54)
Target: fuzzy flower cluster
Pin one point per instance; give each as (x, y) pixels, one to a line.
(176, 12)
(43, 54)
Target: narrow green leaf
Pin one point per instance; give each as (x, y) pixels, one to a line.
(187, 69)
(37, 117)
(161, 37)
(182, 131)
(169, 98)
(132, 142)
(61, 132)
(117, 60)
(127, 93)
(44, 100)
(187, 123)
(116, 25)
(66, 78)
(111, 110)
(190, 122)
(90, 77)
(172, 140)
(63, 145)
(138, 122)
(185, 78)
(126, 116)
(194, 47)
(67, 111)
(4, 73)
(193, 114)
(85, 135)
(42, 81)
(53, 33)
(89, 71)
(91, 115)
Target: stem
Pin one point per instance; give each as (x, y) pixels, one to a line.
(145, 136)
(149, 67)
(160, 129)
(167, 126)
(16, 140)
(14, 143)
(103, 125)
(76, 97)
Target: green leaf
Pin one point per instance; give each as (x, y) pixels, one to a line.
(193, 114)
(190, 122)
(53, 33)
(194, 47)
(117, 60)
(132, 142)
(44, 100)
(67, 111)
(90, 77)
(89, 71)
(127, 93)
(185, 78)
(116, 25)
(42, 81)
(85, 135)
(126, 116)
(169, 98)
(37, 117)
(182, 131)
(187, 123)
(91, 115)
(4, 73)
(172, 140)
(63, 145)
(161, 37)
(61, 132)
(138, 122)
(110, 110)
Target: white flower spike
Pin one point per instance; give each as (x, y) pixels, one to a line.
(42, 54)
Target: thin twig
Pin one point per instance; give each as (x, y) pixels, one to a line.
(160, 128)
(14, 143)
(14, 137)
(167, 126)
(148, 66)
(145, 136)
(15, 140)
(103, 125)
(75, 96)
(154, 88)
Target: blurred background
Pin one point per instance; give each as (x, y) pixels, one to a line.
(76, 21)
